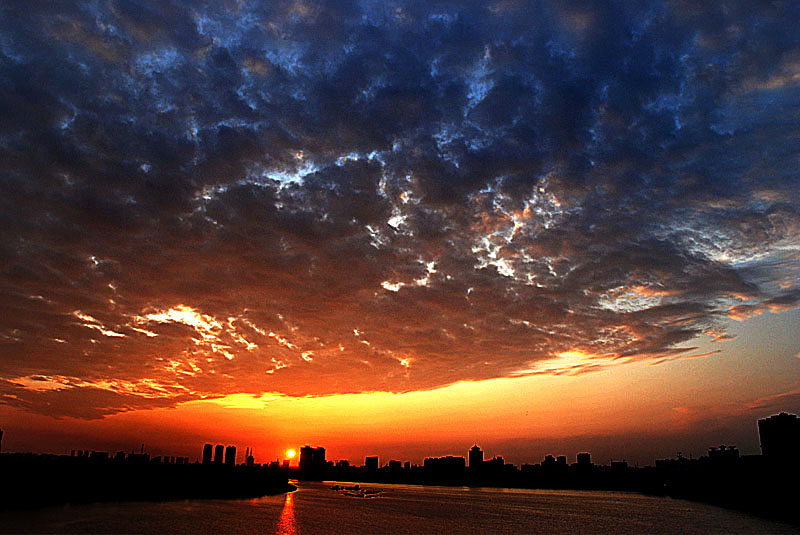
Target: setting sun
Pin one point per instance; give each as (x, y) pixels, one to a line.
(290, 454)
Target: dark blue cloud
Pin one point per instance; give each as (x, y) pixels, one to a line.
(311, 197)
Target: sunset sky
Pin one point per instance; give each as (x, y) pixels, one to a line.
(398, 228)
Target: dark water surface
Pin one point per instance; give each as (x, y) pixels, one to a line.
(317, 509)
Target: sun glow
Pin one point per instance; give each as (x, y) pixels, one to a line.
(290, 454)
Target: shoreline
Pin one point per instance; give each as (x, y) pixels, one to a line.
(34, 481)
(113, 500)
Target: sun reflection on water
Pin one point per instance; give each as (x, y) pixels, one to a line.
(286, 523)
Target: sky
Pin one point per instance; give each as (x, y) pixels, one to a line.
(398, 228)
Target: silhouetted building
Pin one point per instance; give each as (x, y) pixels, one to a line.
(494, 465)
(1, 440)
(780, 438)
(371, 464)
(395, 466)
(343, 464)
(548, 463)
(619, 466)
(475, 458)
(306, 457)
(218, 453)
(138, 458)
(319, 458)
(724, 455)
(230, 456)
(99, 456)
(448, 465)
(207, 449)
(312, 458)
(584, 459)
(248, 458)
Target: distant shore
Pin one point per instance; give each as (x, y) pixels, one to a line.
(31, 481)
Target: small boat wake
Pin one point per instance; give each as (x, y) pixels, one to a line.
(357, 491)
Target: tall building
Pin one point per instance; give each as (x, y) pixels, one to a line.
(319, 458)
(312, 458)
(371, 463)
(306, 458)
(780, 438)
(1, 440)
(584, 459)
(218, 452)
(475, 458)
(207, 449)
(548, 464)
(230, 456)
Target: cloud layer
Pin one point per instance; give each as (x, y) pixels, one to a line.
(312, 198)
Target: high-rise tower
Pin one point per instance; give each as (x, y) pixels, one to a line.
(475, 458)
(207, 449)
(230, 456)
(780, 438)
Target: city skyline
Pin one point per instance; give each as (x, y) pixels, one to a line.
(778, 436)
(392, 227)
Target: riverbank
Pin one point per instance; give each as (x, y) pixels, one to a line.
(43, 480)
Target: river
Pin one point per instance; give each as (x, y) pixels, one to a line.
(316, 509)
